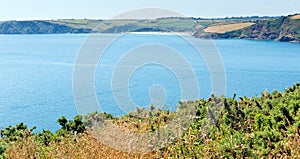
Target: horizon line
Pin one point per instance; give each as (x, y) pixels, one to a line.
(196, 17)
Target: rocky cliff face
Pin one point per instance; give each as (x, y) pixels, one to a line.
(281, 29)
(290, 30)
(37, 27)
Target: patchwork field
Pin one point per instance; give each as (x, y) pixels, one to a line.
(296, 17)
(227, 27)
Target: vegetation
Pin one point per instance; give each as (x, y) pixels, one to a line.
(267, 126)
(284, 28)
(37, 27)
(296, 16)
(281, 28)
(227, 27)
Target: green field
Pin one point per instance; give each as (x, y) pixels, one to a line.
(284, 28)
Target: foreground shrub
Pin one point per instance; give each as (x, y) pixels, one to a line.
(267, 126)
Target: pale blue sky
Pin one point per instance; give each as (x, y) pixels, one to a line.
(100, 9)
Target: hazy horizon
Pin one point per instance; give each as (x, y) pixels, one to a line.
(158, 17)
(95, 9)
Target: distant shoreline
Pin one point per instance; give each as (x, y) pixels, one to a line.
(152, 33)
(284, 28)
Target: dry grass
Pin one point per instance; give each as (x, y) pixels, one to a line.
(141, 123)
(296, 17)
(241, 131)
(227, 27)
(83, 147)
(292, 146)
(87, 147)
(91, 145)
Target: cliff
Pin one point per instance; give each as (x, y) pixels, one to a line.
(37, 27)
(284, 28)
(281, 29)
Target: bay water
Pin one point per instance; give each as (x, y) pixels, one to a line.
(36, 73)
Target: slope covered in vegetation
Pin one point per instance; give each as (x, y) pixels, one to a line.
(284, 28)
(267, 126)
(281, 29)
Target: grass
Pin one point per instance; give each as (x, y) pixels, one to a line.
(267, 126)
(172, 24)
(227, 27)
(296, 17)
(82, 146)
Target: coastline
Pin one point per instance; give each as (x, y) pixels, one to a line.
(283, 28)
(205, 37)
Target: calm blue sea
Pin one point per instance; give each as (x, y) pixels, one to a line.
(36, 73)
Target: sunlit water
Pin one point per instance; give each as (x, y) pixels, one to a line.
(36, 73)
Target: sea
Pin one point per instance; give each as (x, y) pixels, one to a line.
(44, 77)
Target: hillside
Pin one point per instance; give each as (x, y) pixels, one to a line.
(267, 126)
(227, 27)
(285, 28)
(280, 29)
(38, 27)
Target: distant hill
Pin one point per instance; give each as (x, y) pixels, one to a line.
(284, 28)
(38, 27)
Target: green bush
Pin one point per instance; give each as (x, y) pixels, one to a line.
(71, 126)
(2, 150)
(267, 126)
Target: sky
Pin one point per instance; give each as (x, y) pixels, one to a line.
(100, 9)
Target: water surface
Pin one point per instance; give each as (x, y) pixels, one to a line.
(36, 73)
